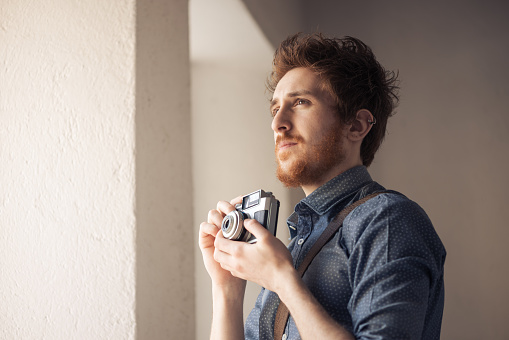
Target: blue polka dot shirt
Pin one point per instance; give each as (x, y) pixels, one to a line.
(380, 276)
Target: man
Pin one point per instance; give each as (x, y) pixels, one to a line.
(381, 275)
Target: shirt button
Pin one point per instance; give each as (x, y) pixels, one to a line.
(284, 337)
(300, 241)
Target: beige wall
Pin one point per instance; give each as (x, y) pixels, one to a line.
(277, 19)
(164, 234)
(95, 175)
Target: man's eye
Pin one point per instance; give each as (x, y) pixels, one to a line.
(301, 101)
(274, 112)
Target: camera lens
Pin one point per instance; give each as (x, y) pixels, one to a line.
(226, 224)
(233, 226)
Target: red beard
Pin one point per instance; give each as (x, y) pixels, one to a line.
(315, 161)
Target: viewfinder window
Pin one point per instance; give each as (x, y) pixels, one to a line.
(251, 200)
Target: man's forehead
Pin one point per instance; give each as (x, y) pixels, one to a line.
(298, 80)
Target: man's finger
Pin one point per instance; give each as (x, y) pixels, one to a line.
(228, 246)
(223, 249)
(236, 200)
(215, 217)
(207, 229)
(225, 207)
(255, 228)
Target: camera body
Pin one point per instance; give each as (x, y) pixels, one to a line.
(259, 205)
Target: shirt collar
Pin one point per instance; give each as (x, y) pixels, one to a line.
(337, 189)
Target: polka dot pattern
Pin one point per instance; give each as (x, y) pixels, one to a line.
(380, 276)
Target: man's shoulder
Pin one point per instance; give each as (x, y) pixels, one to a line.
(390, 214)
(387, 204)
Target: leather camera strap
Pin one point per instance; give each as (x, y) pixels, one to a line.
(282, 311)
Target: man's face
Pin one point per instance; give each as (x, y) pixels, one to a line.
(306, 128)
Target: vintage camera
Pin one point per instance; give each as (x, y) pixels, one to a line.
(259, 205)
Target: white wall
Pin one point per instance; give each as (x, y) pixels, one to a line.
(67, 224)
(233, 147)
(95, 177)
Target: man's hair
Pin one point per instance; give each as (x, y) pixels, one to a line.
(351, 74)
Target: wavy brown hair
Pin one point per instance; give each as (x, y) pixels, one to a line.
(351, 74)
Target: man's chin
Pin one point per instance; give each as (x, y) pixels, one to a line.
(291, 173)
(283, 156)
(287, 181)
(287, 165)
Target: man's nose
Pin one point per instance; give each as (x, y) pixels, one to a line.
(282, 120)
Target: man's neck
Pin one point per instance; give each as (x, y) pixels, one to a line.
(333, 172)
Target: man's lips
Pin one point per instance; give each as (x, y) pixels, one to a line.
(286, 145)
(286, 142)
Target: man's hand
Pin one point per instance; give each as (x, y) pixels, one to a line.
(265, 262)
(227, 290)
(209, 231)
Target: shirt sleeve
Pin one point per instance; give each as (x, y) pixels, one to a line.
(394, 263)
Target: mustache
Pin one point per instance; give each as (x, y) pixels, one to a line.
(288, 138)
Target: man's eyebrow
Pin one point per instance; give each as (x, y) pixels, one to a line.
(297, 93)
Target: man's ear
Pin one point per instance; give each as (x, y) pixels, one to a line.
(361, 125)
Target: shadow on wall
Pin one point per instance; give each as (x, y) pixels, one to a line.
(164, 234)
